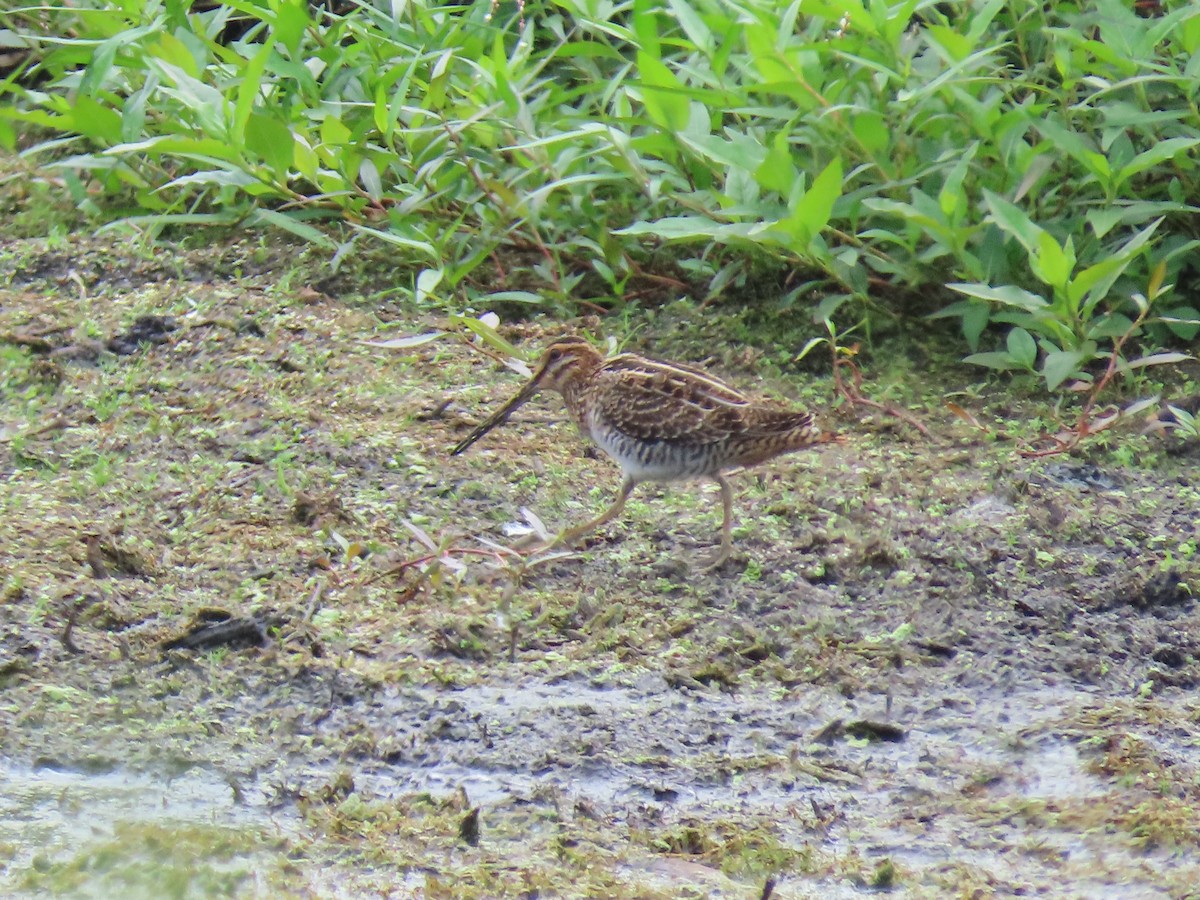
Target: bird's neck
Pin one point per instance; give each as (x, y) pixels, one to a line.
(574, 390)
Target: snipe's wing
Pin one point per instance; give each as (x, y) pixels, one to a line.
(658, 401)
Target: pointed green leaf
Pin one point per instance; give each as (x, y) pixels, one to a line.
(248, 92)
(974, 321)
(1060, 365)
(293, 225)
(693, 26)
(1156, 155)
(951, 198)
(742, 152)
(778, 172)
(270, 140)
(1022, 348)
(1013, 221)
(96, 120)
(1103, 220)
(1095, 281)
(1006, 295)
(422, 247)
(662, 94)
(811, 213)
(1051, 263)
(993, 360)
(290, 21)
(1077, 147)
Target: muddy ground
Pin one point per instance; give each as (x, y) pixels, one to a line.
(934, 667)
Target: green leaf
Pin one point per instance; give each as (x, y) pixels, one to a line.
(777, 171)
(974, 321)
(956, 45)
(104, 55)
(368, 177)
(1095, 281)
(693, 26)
(97, 121)
(1183, 321)
(229, 176)
(906, 211)
(1077, 147)
(994, 360)
(99, 67)
(290, 20)
(224, 219)
(1103, 219)
(403, 343)
(1052, 263)
(1006, 295)
(171, 49)
(489, 335)
(951, 198)
(427, 282)
(270, 140)
(811, 213)
(1109, 326)
(1022, 348)
(513, 297)
(422, 247)
(1013, 221)
(1158, 359)
(662, 94)
(1059, 365)
(333, 132)
(871, 130)
(740, 153)
(685, 228)
(248, 92)
(645, 25)
(293, 225)
(206, 149)
(1156, 155)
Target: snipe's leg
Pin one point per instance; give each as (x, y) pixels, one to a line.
(722, 555)
(573, 534)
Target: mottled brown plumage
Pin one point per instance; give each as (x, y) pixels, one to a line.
(661, 422)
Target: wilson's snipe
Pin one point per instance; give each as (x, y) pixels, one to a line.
(661, 422)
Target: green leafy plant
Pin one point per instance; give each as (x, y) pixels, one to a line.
(1185, 424)
(1060, 330)
(1040, 157)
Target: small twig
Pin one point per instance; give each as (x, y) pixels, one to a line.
(853, 393)
(665, 280)
(501, 275)
(1085, 425)
(72, 617)
(314, 600)
(480, 347)
(966, 416)
(407, 564)
(55, 424)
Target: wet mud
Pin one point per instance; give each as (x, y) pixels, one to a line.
(249, 629)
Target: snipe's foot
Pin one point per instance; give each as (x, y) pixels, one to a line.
(563, 542)
(716, 560)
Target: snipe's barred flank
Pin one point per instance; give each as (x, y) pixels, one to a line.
(660, 421)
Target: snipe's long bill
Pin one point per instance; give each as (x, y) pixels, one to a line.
(499, 417)
(660, 421)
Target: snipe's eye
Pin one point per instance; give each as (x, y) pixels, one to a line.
(555, 354)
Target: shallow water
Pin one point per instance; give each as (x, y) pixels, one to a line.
(78, 833)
